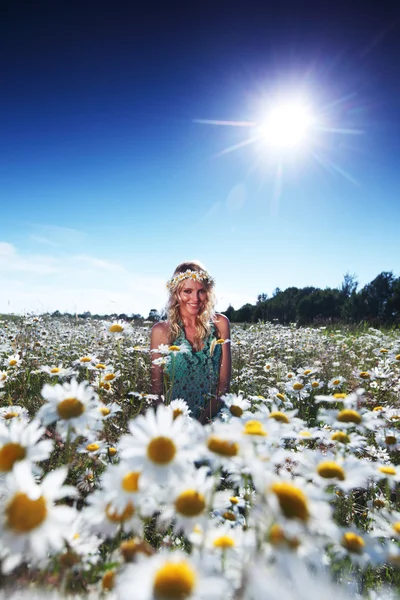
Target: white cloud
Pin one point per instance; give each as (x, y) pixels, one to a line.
(73, 283)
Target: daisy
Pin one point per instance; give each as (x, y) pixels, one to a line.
(336, 382)
(235, 405)
(386, 471)
(169, 575)
(179, 408)
(159, 445)
(60, 371)
(122, 484)
(9, 413)
(13, 360)
(103, 518)
(297, 389)
(20, 441)
(31, 525)
(117, 328)
(190, 501)
(359, 546)
(326, 469)
(73, 405)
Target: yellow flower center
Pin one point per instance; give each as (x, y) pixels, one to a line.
(365, 375)
(396, 527)
(108, 581)
(377, 408)
(353, 542)
(298, 386)
(92, 447)
(9, 454)
(112, 451)
(176, 413)
(104, 411)
(190, 503)
(307, 371)
(85, 359)
(234, 500)
(174, 581)
(267, 366)
(105, 385)
(130, 548)
(161, 450)
(55, 370)
(10, 415)
(390, 440)
(229, 515)
(3, 376)
(220, 341)
(305, 433)
(289, 375)
(130, 482)
(235, 410)
(109, 377)
(100, 366)
(397, 357)
(279, 416)
(292, 500)
(254, 427)
(222, 447)
(276, 535)
(70, 408)
(174, 348)
(119, 517)
(329, 469)
(336, 382)
(348, 415)
(388, 470)
(115, 328)
(340, 436)
(280, 396)
(340, 395)
(315, 384)
(12, 362)
(24, 514)
(224, 542)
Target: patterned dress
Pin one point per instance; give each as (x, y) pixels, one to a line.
(194, 375)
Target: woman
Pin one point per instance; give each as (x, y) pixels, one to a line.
(201, 373)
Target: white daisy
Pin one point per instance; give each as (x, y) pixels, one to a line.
(172, 576)
(20, 441)
(73, 405)
(30, 523)
(159, 445)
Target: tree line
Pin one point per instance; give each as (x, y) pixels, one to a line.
(377, 303)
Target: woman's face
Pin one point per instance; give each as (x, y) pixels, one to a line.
(192, 298)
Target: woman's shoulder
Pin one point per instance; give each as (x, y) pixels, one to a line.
(221, 322)
(159, 332)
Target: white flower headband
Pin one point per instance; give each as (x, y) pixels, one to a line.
(196, 275)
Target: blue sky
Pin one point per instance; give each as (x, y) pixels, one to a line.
(107, 182)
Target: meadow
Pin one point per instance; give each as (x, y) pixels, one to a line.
(293, 492)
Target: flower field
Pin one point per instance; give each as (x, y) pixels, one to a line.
(293, 492)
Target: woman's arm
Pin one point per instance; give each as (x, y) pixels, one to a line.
(159, 336)
(225, 370)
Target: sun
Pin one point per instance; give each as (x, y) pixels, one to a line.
(287, 126)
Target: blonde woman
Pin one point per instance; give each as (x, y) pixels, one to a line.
(200, 373)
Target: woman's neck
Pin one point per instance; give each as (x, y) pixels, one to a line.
(188, 322)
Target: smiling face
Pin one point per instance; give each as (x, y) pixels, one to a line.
(192, 298)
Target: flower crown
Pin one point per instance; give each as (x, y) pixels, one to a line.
(188, 274)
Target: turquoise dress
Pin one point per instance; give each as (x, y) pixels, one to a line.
(194, 375)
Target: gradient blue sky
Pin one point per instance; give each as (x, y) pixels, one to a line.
(107, 182)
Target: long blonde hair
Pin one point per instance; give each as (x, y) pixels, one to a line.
(203, 319)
